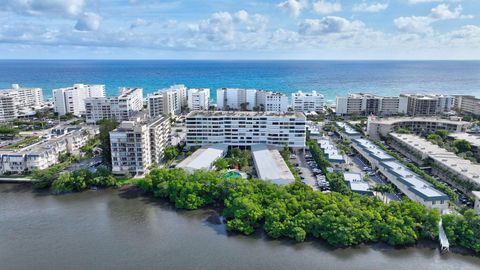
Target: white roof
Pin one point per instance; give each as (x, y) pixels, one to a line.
(270, 165)
(330, 150)
(203, 158)
(356, 182)
(473, 139)
(442, 156)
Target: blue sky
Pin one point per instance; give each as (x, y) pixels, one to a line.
(233, 29)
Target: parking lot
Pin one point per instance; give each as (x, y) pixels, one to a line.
(309, 172)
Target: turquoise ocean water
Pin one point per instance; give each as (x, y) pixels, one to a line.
(330, 78)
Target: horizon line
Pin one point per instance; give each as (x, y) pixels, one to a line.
(232, 59)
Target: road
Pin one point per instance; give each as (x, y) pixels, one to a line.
(306, 172)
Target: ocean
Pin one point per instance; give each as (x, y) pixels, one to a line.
(331, 78)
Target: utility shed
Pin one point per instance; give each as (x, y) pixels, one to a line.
(203, 158)
(270, 165)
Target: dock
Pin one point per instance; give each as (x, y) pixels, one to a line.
(444, 244)
(15, 180)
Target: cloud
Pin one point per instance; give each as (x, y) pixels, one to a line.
(294, 7)
(422, 24)
(89, 21)
(325, 7)
(373, 7)
(329, 25)
(139, 23)
(443, 12)
(414, 2)
(66, 8)
(241, 16)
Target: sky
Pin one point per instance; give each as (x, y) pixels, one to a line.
(240, 29)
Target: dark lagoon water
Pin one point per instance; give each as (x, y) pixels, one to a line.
(115, 230)
(330, 78)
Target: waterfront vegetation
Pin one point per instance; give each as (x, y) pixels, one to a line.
(106, 125)
(82, 179)
(295, 211)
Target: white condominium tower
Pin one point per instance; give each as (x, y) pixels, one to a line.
(137, 144)
(198, 99)
(169, 101)
(246, 128)
(251, 100)
(307, 102)
(272, 102)
(24, 96)
(72, 99)
(8, 109)
(367, 104)
(236, 99)
(119, 108)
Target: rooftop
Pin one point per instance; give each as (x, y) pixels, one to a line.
(372, 149)
(356, 183)
(473, 139)
(463, 167)
(393, 120)
(348, 129)
(244, 113)
(330, 150)
(204, 157)
(270, 165)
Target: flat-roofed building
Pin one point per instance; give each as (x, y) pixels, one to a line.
(168, 101)
(412, 185)
(446, 164)
(357, 184)
(346, 129)
(44, 153)
(8, 109)
(307, 102)
(473, 139)
(246, 128)
(476, 195)
(272, 102)
(367, 104)
(203, 158)
(72, 99)
(236, 99)
(467, 104)
(198, 99)
(330, 150)
(127, 104)
(24, 96)
(138, 143)
(269, 165)
(377, 127)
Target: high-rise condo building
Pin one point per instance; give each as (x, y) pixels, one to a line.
(169, 101)
(24, 96)
(246, 128)
(138, 143)
(198, 99)
(128, 103)
(72, 99)
(307, 102)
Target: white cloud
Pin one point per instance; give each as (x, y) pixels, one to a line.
(89, 21)
(373, 7)
(414, 2)
(325, 7)
(443, 12)
(294, 7)
(329, 25)
(68, 8)
(422, 24)
(241, 16)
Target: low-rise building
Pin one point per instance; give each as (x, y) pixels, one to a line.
(347, 130)
(72, 99)
(330, 150)
(198, 99)
(446, 164)
(138, 143)
(127, 104)
(168, 101)
(246, 128)
(412, 185)
(356, 184)
(307, 102)
(203, 158)
(45, 153)
(378, 127)
(269, 165)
